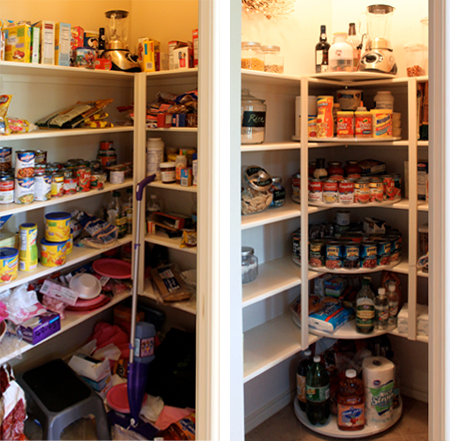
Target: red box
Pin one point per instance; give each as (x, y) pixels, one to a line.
(195, 46)
(103, 64)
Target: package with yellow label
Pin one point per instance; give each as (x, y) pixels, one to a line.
(147, 56)
(18, 43)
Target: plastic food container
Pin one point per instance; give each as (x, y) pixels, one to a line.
(415, 60)
(253, 117)
(57, 227)
(9, 259)
(252, 57)
(249, 265)
(384, 100)
(340, 54)
(349, 99)
(273, 61)
(53, 253)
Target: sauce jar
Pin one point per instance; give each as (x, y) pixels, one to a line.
(273, 61)
(253, 119)
(353, 170)
(335, 168)
(252, 57)
(167, 172)
(278, 191)
(249, 265)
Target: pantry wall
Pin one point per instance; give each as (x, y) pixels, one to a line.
(270, 388)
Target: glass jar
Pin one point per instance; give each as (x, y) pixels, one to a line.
(253, 119)
(273, 61)
(256, 195)
(335, 168)
(353, 170)
(252, 57)
(249, 265)
(278, 191)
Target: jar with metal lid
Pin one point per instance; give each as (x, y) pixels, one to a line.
(253, 119)
(278, 191)
(256, 195)
(273, 61)
(249, 265)
(252, 57)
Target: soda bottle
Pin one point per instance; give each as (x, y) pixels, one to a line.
(393, 304)
(365, 309)
(381, 310)
(317, 393)
(302, 370)
(350, 402)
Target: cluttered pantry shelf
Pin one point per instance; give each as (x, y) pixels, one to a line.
(78, 255)
(169, 242)
(71, 320)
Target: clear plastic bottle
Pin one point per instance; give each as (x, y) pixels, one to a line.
(381, 310)
(393, 305)
(354, 42)
(350, 402)
(155, 155)
(153, 205)
(317, 393)
(365, 309)
(302, 370)
(340, 57)
(128, 208)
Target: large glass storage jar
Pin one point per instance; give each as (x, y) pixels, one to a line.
(252, 56)
(273, 61)
(249, 265)
(253, 119)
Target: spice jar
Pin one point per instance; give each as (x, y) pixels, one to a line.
(249, 265)
(253, 117)
(252, 57)
(273, 61)
(278, 191)
(256, 195)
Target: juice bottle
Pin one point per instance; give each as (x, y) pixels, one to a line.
(302, 370)
(317, 393)
(350, 401)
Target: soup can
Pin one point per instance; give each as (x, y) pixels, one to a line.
(346, 193)
(57, 185)
(333, 258)
(53, 253)
(398, 185)
(315, 190)
(317, 249)
(25, 160)
(362, 191)
(396, 246)
(40, 157)
(24, 191)
(330, 192)
(389, 187)
(383, 251)
(296, 247)
(296, 187)
(70, 185)
(5, 158)
(9, 259)
(42, 186)
(28, 252)
(368, 254)
(84, 178)
(6, 189)
(350, 255)
(376, 190)
(57, 227)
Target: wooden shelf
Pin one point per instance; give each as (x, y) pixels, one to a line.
(169, 242)
(173, 74)
(270, 147)
(176, 187)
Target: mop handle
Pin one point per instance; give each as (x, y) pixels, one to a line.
(139, 193)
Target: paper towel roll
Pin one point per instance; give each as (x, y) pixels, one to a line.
(378, 377)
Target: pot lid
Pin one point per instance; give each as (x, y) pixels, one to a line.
(257, 178)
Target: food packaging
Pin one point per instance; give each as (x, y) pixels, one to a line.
(381, 123)
(76, 41)
(146, 60)
(103, 64)
(195, 46)
(183, 57)
(47, 38)
(349, 99)
(330, 318)
(422, 319)
(39, 328)
(378, 378)
(18, 43)
(62, 44)
(85, 57)
(170, 284)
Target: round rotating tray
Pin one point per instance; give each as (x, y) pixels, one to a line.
(331, 428)
(357, 271)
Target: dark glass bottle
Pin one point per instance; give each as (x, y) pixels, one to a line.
(302, 370)
(322, 48)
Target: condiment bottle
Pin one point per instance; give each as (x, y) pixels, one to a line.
(365, 309)
(381, 310)
(350, 402)
(302, 370)
(320, 172)
(353, 170)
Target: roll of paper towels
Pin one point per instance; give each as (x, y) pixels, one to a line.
(378, 377)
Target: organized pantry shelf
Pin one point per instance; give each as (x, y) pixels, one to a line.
(345, 332)
(63, 133)
(175, 130)
(355, 271)
(176, 187)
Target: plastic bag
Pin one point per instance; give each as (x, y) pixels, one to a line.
(21, 304)
(5, 100)
(102, 232)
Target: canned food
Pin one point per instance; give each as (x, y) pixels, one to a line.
(9, 258)
(346, 193)
(5, 158)
(315, 190)
(342, 218)
(398, 185)
(42, 187)
(67, 172)
(350, 255)
(95, 165)
(84, 178)
(53, 253)
(25, 163)
(40, 157)
(376, 190)
(24, 191)
(106, 145)
(28, 252)
(353, 237)
(312, 126)
(296, 188)
(389, 187)
(57, 189)
(345, 124)
(362, 192)
(336, 178)
(55, 165)
(396, 246)
(368, 254)
(330, 192)
(70, 185)
(6, 189)
(333, 255)
(57, 227)
(98, 180)
(69, 243)
(317, 250)
(107, 161)
(117, 176)
(40, 168)
(383, 251)
(296, 247)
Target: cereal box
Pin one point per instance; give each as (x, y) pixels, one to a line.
(195, 45)
(76, 40)
(18, 43)
(62, 44)
(47, 29)
(146, 60)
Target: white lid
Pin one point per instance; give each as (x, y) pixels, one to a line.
(167, 164)
(307, 352)
(153, 139)
(316, 358)
(269, 48)
(381, 292)
(350, 373)
(391, 287)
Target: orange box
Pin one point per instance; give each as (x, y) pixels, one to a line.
(324, 125)
(122, 317)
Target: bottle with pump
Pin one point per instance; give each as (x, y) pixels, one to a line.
(302, 370)
(350, 402)
(322, 48)
(317, 393)
(354, 42)
(381, 310)
(365, 308)
(393, 304)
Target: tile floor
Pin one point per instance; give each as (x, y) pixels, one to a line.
(284, 426)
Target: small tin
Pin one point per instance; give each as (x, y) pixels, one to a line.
(333, 255)
(362, 191)
(350, 255)
(383, 251)
(57, 226)
(376, 190)
(396, 246)
(53, 253)
(5, 158)
(368, 254)
(40, 157)
(6, 189)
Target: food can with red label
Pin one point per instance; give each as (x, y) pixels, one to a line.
(317, 249)
(6, 189)
(24, 163)
(376, 190)
(383, 251)
(368, 254)
(346, 192)
(333, 258)
(296, 188)
(106, 145)
(315, 190)
(84, 178)
(389, 187)
(42, 186)
(41, 157)
(362, 191)
(70, 185)
(5, 158)
(330, 191)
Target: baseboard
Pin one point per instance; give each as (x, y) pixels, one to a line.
(416, 394)
(268, 410)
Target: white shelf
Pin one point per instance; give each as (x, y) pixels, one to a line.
(345, 141)
(270, 147)
(269, 344)
(357, 271)
(347, 332)
(176, 187)
(173, 74)
(331, 428)
(78, 255)
(169, 242)
(6, 209)
(72, 319)
(352, 76)
(422, 206)
(175, 130)
(386, 204)
(274, 277)
(269, 78)
(189, 306)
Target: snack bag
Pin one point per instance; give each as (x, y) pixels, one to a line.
(4, 104)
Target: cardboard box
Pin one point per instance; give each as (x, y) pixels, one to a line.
(39, 328)
(90, 39)
(195, 46)
(35, 45)
(18, 43)
(76, 41)
(122, 317)
(146, 51)
(62, 44)
(422, 179)
(174, 45)
(183, 57)
(47, 29)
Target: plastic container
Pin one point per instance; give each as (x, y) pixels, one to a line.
(249, 265)
(415, 60)
(155, 155)
(167, 172)
(253, 119)
(384, 100)
(53, 253)
(317, 393)
(9, 259)
(350, 402)
(302, 370)
(273, 61)
(252, 57)
(349, 99)
(57, 227)
(340, 55)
